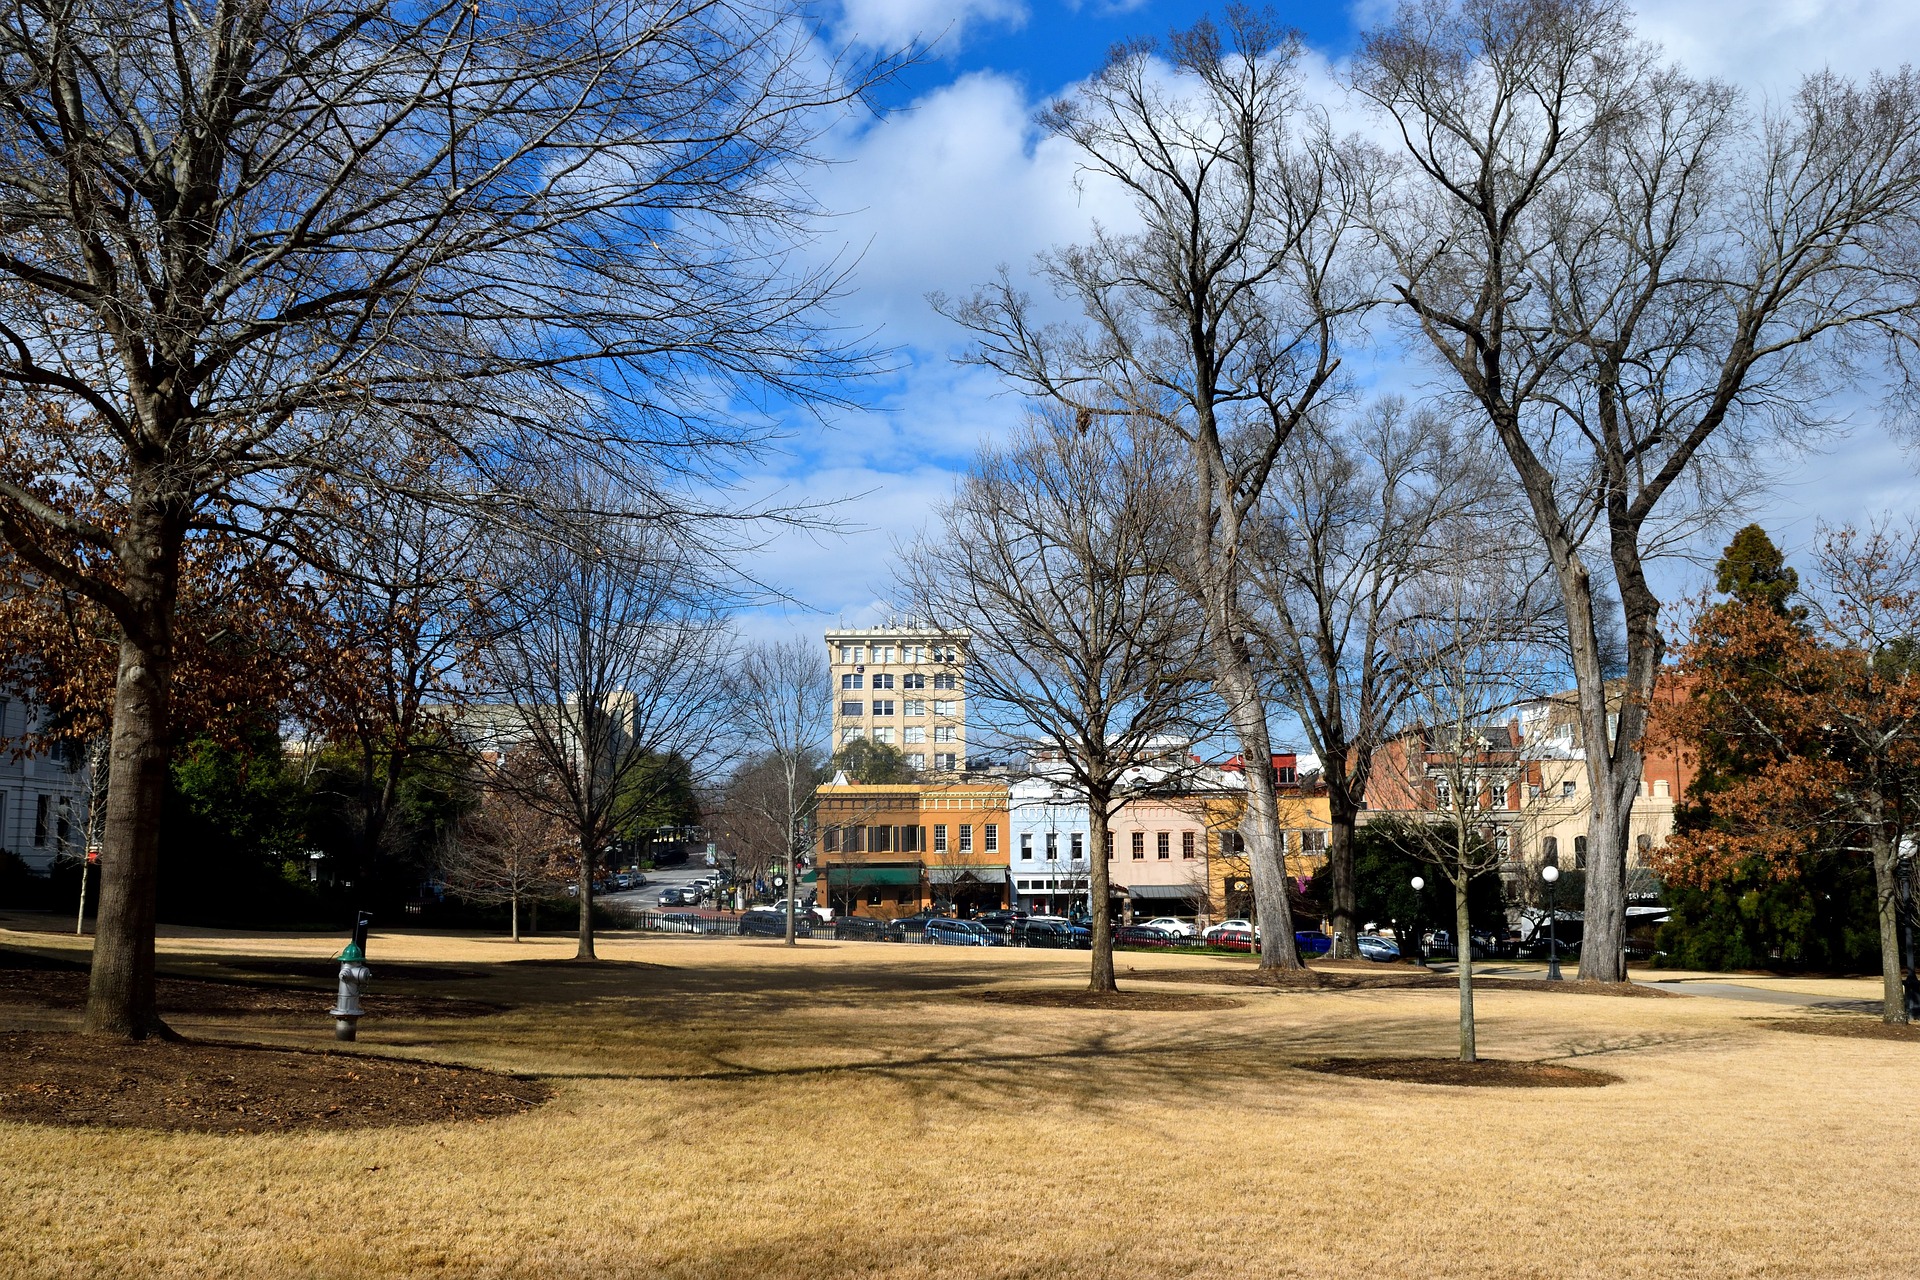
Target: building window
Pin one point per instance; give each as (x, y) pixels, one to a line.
(966, 838)
(1550, 852)
(1286, 776)
(945, 682)
(852, 733)
(850, 681)
(939, 837)
(916, 760)
(914, 732)
(913, 839)
(63, 833)
(873, 895)
(1232, 843)
(1567, 788)
(1313, 842)
(882, 707)
(1139, 846)
(1502, 843)
(881, 680)
(880, 839)
(913, 680)
(944, 707)
(1163, 845)
(852, 708)
(1053, 846)
(1109, 846)
(883, 653)
(1579, 853)
(830, 840)
(947, 760)
(943, 733)
(913, 653)
(946, 653)
(852, 839)
(41, 812)
(1442, 793)
(849, 654)
(883, 735)
(992, 836)
(1186, 846)
(914, 707)
(1026, 846)
(1079, 849)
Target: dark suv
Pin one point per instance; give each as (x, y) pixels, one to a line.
(764, 923)
(1051, 933)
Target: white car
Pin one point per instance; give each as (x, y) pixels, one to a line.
(1225, 925)
(1172, 924)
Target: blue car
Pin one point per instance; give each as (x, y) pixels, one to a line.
(1312, 944)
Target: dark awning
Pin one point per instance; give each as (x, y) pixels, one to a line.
(1166, 892)
(849, 874)
(966, 875)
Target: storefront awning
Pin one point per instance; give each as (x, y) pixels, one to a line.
(1165, 892)
(853, 874)
(966, 875)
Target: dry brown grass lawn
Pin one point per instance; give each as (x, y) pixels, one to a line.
(733, 1109)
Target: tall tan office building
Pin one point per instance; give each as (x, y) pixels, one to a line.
(904, 686)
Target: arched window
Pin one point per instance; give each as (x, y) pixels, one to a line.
(1579, 853)
(1550, 851)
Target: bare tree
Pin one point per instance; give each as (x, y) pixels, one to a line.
(1347, 527)
(1219, 319)
(786, 704)
(231, 227)
(1470, 647)
(508, 850)
(1049, 560)
(604, 652)
(1635, 281)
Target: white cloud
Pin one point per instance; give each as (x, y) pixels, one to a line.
(892, 23)
(1768, 45)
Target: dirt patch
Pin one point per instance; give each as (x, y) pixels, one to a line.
(39, 983)
(1849, 1028)
(609, 966)
(203, 1087)
(328, 970)
(1351, 980)
(1488, 1073)
(1146, 1001)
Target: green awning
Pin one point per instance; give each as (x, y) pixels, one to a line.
(860, 874)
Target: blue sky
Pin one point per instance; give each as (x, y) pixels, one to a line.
(954, 181)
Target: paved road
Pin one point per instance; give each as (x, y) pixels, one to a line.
(647, 896)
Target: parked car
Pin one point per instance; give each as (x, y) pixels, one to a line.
(1385, 950)
(671, 897)
(1181, 929)
(759, 922)
(1231, 939)
(1440, 947)
(1003, 922)
(1229, 926)
(912, 924)
(959, 933)
(1312, 943)
(1143, 935)
(1538, 948)
(1046, 931)
(679, 922)
(862, 929)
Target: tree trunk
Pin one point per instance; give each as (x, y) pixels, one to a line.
(1344, 907)
(1099, 881)
(1463, 947)
(585, 950)
(1260, 824)
(120, 994)
(1603, 944)
(1886, 892)
(516, 914)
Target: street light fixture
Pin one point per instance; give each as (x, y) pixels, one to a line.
(1418, 884)
(1551, 874)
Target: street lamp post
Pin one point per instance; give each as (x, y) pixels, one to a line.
(1418, 884)
(1551, 874)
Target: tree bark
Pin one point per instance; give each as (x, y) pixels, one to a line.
(1344, 907)
(1886, 892)
(1099, 882)
(585, 950)
(515, 909)
(1463, 947)
(120, 990)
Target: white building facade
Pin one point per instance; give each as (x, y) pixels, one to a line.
(43, 798)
